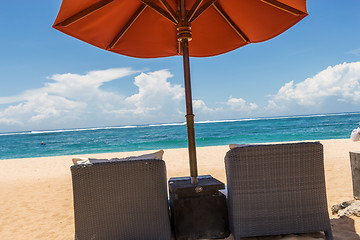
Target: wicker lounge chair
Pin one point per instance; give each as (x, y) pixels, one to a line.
(121, 200)
(277, 189)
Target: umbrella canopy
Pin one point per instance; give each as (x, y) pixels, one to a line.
(161, 28)
(148, 28)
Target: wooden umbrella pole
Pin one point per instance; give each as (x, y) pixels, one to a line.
(184, 36)
(189, 114)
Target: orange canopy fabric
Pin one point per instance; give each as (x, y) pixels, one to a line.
(148, 28)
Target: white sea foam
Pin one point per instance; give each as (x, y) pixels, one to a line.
(215, 121)
(16, 133)
(122, 127)
(65, 130)
(176, 124)
(167, 124)
(275, 118)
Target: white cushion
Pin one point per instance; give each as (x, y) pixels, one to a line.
(355, 135)
(156, 155)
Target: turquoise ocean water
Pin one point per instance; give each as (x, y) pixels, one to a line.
(173, 135)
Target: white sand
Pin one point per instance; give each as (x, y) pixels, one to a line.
(36, 193)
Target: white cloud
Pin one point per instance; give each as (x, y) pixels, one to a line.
(239, 104)
(74, 86)
(155, 92)
(157, 100)
(200, 105)
(63, 101)
(47, 106)
(74, 100)
(38, 107)
(10, 122)
(341, 82)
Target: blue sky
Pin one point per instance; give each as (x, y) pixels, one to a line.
(49, 80)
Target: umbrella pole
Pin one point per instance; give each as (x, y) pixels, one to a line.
(189, 114)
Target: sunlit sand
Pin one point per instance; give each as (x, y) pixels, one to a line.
(36, 193)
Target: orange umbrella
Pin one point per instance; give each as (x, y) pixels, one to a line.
(161, 28)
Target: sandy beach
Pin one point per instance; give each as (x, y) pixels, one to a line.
(36, 193)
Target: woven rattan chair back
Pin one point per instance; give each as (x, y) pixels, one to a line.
(121, 200)
(277, 189)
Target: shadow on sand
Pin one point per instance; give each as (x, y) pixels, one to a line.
(343, 228)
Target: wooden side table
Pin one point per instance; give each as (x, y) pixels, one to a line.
(198, 211)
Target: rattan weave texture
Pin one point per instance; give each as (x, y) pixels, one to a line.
(277, 189)
(124, 200)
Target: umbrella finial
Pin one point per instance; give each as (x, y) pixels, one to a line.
(184, 31)
(183, 26)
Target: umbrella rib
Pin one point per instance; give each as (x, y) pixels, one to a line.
(193, 9)
(127, 26)
(76, 17)
(200, 10)
(283, 7)
(159, 10)
(169, 10)
(231, 23)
